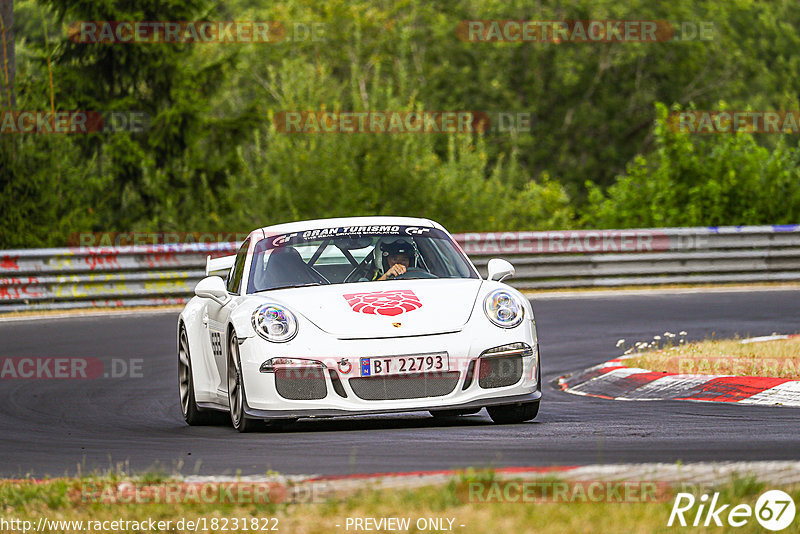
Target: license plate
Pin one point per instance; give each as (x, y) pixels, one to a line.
(409, 364)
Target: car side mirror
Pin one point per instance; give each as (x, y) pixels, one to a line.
(500, 269)
(212, 287)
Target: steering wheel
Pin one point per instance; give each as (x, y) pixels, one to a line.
(413, 272)
(362, 267)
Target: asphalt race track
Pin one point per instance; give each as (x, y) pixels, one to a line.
(56, 426)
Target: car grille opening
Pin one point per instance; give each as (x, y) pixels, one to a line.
(470, 375)
(337, 384)
(412, 386)
(499, 372)
(301, 383)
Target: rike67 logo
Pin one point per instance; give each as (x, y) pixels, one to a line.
(389, 303)
(774, 510)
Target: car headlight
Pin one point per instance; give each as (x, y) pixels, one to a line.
(275, 323)
(503, 309)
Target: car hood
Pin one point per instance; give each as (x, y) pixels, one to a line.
(371, 310)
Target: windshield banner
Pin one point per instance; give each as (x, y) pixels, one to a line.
(296, 238)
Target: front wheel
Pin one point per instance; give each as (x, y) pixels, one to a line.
(513, 413)
(236, 395)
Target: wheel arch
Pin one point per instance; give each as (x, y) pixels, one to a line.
(230, 331)
(202, 374)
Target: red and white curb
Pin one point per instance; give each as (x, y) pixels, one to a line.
(614, 380)
(701, 473)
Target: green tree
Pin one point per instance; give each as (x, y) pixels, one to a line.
(701, 180)
(185, 151)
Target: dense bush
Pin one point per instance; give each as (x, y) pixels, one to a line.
(699, 180)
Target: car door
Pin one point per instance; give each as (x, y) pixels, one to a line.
(217, 317)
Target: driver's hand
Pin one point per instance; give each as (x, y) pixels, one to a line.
(395, 270)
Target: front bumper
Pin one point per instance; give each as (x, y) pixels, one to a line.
(471, 386)
(332, 412)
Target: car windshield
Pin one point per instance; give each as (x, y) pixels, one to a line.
(354, 254)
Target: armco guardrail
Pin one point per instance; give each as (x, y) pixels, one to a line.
(167, 274)
(87, 277)
(613, 258)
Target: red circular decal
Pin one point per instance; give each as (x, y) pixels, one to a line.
(389, 303)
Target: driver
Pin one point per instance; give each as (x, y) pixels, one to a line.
(396, 257)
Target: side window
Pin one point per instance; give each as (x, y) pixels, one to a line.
(235, 276)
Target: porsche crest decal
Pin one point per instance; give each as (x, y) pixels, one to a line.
(388, 303)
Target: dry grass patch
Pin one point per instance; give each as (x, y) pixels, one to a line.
(56, 500)
(778, 358)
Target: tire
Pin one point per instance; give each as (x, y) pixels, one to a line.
(236, 395)
(441, 414)
(513, 413)
(193, 415)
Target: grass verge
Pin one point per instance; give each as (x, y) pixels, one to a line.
(454, 505)
(777, 358)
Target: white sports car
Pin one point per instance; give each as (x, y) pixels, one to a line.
(355, 316)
